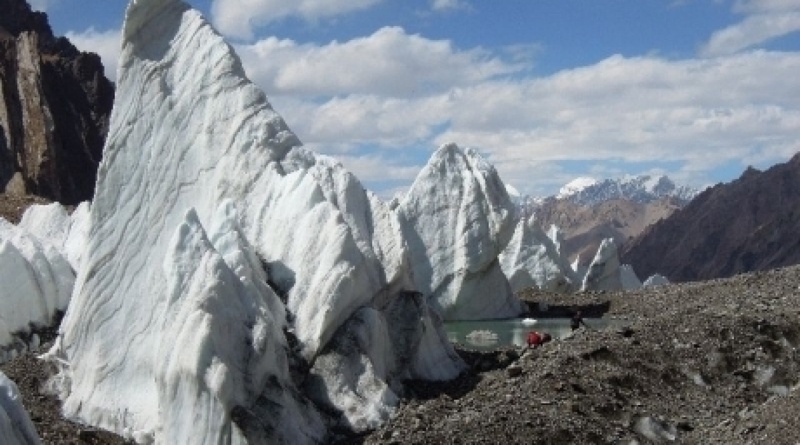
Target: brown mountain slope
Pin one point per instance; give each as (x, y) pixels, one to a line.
(747, 225)
(55, 103)
(585, 227)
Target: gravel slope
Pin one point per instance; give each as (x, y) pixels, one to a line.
(699, 363)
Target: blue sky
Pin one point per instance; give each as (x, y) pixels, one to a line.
(546, 90)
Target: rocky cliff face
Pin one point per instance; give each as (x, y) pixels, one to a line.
(586, 226)
(55, 104)
(747, 225)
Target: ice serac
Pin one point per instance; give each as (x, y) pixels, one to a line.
(531, 259)
(171, 322)
(53, 225)
(655, 280)
(628, 278)
(16, 427)
(37, 281)
(457, 218)
(604, 271)
(403, 340)
(227, 347)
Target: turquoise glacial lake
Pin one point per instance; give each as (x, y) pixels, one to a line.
(486, 335)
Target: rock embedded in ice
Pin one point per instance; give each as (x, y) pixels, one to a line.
(457, 218)
(16, 427)
(171, 322)
(532, 259)
(604, 271)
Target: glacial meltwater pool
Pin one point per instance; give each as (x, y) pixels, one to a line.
(486, 335)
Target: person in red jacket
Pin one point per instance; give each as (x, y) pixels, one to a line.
(536, 339)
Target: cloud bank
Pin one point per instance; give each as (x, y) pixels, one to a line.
(383, 102)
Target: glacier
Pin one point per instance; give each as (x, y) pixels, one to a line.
(51, 223)
(234, 280)
(605, 269)
(532, 259)
(37, 281)
(457, 218)
(605, 273)
(38, 260)
(16, 427)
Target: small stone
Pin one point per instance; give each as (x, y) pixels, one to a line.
(514, 371)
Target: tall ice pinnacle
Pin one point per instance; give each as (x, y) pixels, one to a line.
(224, 262)
(457, 219)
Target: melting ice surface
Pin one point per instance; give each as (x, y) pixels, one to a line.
(514, 331)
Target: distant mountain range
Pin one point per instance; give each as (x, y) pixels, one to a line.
(588, 210)
(747, 225)
(641, 189)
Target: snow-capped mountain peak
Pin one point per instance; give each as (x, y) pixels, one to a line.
(641, 188)
(576, 186)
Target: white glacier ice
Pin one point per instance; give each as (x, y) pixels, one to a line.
(173, 324)
(51, 223)
(16, 427)
(628, 278)
(655, 280)
(37, 281)
(457, 218)
(532, 259)
(48, 222)
(604, 271)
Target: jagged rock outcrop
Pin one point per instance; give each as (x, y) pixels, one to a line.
(585, 226)
(749, 224)
(55, 103)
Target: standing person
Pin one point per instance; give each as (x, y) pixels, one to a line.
(577, 321)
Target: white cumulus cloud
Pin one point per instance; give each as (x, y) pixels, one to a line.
(389, 62)
(697, 114)
(764, 20)
(239, 18)
(41, 5)
(104, 43)
(444, 5)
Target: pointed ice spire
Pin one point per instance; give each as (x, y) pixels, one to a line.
(457, 218)
(532, 259)
(604, 271)
(172, 322)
